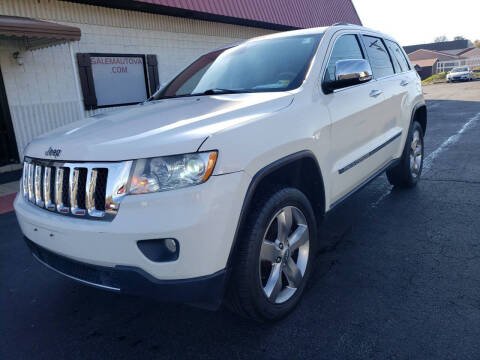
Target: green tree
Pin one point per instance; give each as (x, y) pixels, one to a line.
(441, 38)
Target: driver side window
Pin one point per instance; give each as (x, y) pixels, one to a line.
(346, 47)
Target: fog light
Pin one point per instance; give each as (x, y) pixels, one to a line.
(160, 250)
(171, 245)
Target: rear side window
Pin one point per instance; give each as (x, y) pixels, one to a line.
(346, 48)
(398, 58)
(378, 56)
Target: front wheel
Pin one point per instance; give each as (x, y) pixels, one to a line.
(273, 260)
(407, 172)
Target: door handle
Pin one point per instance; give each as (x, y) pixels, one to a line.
(375, 93)
(404, 83)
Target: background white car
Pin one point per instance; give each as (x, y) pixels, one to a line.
(462, 73)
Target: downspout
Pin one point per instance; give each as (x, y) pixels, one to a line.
(81, 111)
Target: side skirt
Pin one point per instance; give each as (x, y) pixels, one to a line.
(390, 164)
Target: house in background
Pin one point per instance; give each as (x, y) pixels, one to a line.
(427, 61)
(430, 58)
(426, 67)
(470, 53)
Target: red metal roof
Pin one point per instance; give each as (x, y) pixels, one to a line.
(283, 13)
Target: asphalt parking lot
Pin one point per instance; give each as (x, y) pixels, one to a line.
(398, 278)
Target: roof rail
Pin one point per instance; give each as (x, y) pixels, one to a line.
(342, 23)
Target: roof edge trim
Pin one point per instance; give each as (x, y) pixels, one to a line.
(183, 13)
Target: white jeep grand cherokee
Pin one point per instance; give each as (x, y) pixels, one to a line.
(214, 188)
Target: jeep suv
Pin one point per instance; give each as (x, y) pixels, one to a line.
(212, 191)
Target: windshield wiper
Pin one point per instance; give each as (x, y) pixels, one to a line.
(216, 91)
(175, 96)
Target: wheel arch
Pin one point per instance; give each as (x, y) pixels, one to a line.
(290, 171)
(419, 114)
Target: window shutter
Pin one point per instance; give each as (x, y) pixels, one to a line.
(152, 69)
(86, 80)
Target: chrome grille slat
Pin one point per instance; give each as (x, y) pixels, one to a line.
(88, 190)
(38, 185)
(25, 180)
(59, 176)
(47, 189)
(90, 194)
(73, 185)
(31, 193)
(90, 199)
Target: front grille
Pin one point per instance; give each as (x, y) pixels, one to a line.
(91, 190)
(100, 188)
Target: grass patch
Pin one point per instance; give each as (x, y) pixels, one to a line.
(476, 72)
(440, 77)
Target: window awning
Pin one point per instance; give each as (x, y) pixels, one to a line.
(36, 33)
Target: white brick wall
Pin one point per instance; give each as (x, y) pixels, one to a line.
(42, 94)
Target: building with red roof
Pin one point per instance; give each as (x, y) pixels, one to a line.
(63, 60)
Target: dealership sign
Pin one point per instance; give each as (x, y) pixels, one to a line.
(119, 80)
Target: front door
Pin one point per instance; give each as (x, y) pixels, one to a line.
(8, 145)
(357, 114)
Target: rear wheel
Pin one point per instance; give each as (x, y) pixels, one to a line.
(408, 171)
(273, 261)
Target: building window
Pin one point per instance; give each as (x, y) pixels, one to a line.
(117, 79)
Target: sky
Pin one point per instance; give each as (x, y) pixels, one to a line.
(420, 21)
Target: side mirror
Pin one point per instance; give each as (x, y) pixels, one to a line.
(350, 72)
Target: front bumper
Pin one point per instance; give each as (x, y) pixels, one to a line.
(202, 218)
(205, 291)
(459, 78)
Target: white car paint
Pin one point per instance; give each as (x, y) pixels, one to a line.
(250, 131)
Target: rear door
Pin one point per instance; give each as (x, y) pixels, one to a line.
(358, 117)
(388, 127)
(403, 88)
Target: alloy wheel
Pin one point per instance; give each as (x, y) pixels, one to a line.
(416, 154)
(284, 254)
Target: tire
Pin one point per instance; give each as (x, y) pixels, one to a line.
(408, 171)
(251, 292)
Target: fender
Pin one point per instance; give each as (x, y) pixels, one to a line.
(256, 180)
(417, 106)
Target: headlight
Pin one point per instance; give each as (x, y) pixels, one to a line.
(171, 172)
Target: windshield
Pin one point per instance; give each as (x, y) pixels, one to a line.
(460, 69)
(256, 66)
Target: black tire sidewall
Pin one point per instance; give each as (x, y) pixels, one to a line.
(282, 198)
(412, 181)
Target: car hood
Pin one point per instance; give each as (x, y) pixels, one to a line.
(460, 73)
(164, 127)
